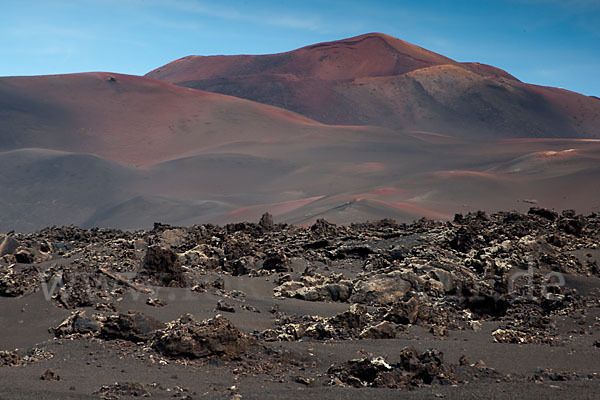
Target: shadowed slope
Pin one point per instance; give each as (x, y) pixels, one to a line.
(43, 187)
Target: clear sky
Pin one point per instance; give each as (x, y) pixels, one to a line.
(548, 42)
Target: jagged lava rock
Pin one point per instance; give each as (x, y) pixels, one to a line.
(215, 337)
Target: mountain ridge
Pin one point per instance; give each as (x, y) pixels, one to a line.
(340, 83)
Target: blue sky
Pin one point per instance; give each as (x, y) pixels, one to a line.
(548, 42)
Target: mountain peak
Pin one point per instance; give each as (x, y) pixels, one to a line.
(377, 79)
(367, 55)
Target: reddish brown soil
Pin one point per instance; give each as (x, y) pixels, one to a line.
(131, 119)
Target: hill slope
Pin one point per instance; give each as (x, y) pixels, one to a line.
(131, 119)
(375, 79)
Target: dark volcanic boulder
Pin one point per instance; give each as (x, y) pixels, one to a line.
(383, 330)
(323, 228)
(573, 226)
(163, 267)
(240, 266)
(356, 318)
(215, 337)
(266, 222)
(276, 261)
(359, 373)
(134, 326)
(406, 312)
(485, 304)
(8, 245)
(24, 256)
(425, 367)
(381, 289)
(414, 369)
(77, 323)
(81, 289)
(50, 375)
(464, 239)
(83, 325)
(544, 213)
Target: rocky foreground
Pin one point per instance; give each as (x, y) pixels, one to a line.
(498, 305)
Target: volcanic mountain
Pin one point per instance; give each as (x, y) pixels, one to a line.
(376, 79)
(106, 149)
